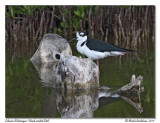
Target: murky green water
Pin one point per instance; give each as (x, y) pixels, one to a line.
(27, 97)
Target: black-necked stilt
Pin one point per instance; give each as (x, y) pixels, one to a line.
(96, 49)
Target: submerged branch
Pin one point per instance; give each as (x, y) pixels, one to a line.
(133, 87)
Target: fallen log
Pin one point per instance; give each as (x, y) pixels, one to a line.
(133, 87)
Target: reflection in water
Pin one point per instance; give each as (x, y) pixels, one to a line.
(77, 103)
(83, 103)
(49, 74)
(49, 105)
(135, 101)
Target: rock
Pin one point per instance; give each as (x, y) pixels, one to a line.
(69, 73)
(50, 47)
(78, 73)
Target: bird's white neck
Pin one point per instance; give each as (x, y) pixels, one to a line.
(80, 41)
(81, 48)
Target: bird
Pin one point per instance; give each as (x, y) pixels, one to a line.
(96, 49)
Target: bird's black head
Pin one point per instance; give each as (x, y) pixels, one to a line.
(80, 33)
(80, 36)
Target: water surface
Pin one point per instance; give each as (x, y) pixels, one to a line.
(27, 97)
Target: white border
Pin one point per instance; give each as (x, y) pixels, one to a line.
(76, 2)
(2, 63)
(81, 2)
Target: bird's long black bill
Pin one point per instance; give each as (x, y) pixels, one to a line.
(72, 39)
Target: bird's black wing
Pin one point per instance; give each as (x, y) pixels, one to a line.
(101, 46)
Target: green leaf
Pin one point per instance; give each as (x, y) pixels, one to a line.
(117, 7)
(82, 13)
(12, 11)
(64, 24)
(61, 13)
(77, 13)
(25, 7)
(7, 14)
(19, 12)
(67, 11)
(97, 8)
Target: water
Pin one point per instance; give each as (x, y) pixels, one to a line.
(26, 95)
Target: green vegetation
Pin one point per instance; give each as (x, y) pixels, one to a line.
(22, 11)
(126, 26)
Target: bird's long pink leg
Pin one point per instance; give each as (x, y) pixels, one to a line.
(123, 53)
(98, 67)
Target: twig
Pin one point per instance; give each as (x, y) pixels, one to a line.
(40, 25)
(121, 27)
(52, 17)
